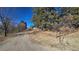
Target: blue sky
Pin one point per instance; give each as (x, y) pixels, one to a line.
(24, 14)
(18, 14)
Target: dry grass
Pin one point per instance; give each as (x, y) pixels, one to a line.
(48, 38)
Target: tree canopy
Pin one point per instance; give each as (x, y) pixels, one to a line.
(55, 17)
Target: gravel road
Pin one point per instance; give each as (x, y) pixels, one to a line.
(20, 43)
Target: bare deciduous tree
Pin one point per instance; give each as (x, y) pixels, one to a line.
(5, 24)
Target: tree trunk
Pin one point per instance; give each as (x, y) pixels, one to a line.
(5, 29)
(5, 33)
